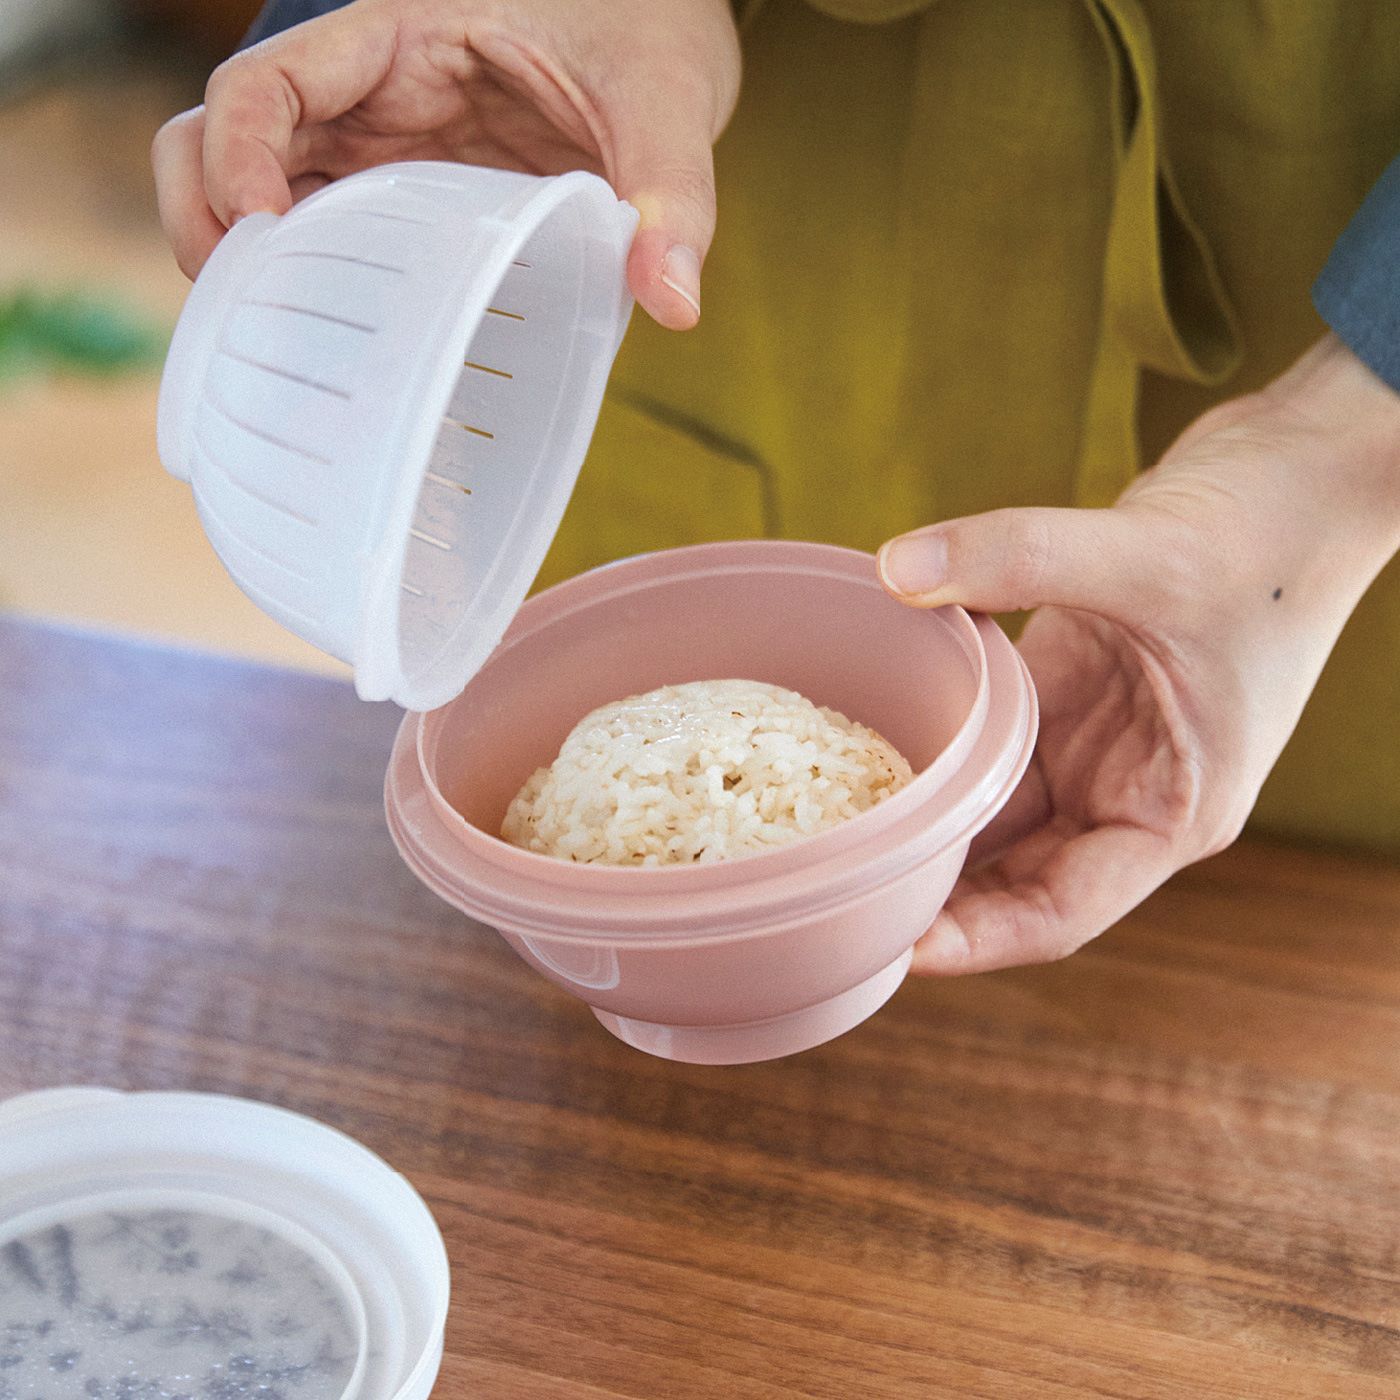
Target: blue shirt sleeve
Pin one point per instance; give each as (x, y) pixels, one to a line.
(277, 15)
(1358, 291)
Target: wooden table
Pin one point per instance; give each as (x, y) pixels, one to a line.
(1169, 1167)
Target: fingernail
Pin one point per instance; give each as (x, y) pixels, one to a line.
(915, 564)
(680, 271)
(944, 948)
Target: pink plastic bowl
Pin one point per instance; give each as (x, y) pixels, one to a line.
(745, 959)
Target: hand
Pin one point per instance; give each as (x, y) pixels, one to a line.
(1178, 637)
(634, 90)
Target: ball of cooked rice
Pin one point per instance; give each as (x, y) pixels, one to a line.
(706, 771)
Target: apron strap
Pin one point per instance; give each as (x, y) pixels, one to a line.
(1164, 306)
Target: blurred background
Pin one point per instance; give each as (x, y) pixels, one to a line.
(92, 531)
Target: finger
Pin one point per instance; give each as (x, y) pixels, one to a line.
(663, 271)
(1012, 560)
(257, 101)
(178, 162)
(661, 161)
(1047, 897)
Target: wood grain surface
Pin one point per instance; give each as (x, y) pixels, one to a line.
(1167, 1167)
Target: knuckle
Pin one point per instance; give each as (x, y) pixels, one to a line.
(1231, 413)
(1053, 946)
(1024, 543)
(1223, 833)
(220, 81)
(1055, 934)
(246, 80)
(169, 135)
(690, 186)
(1060, 951)
(164, 138)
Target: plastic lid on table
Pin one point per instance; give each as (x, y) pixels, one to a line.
(202, 1240)
(382, 400)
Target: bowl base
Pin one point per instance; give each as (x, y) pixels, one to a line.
(747, 1041)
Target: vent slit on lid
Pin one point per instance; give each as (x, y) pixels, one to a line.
(509, 315)
(339, 257)
(446, 481)
(266, 436)
(271, 502)
(486, 369)
(430, 539)
(467, 428)
(393, 218)
(315, 315)
(290, 375)
(517, 263)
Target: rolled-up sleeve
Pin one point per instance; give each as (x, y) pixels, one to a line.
(1358, 291)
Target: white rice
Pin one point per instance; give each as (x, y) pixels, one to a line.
(706, 771)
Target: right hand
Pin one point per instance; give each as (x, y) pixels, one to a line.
(1177, 638)
(634, 90)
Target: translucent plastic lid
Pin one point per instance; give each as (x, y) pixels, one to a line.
(191, 1243)
(382, 401)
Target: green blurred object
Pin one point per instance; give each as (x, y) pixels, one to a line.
(75, 332)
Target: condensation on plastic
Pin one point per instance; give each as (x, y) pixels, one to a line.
(71, 1150)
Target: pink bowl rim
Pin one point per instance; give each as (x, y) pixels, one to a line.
(559, 901)
(708, 561)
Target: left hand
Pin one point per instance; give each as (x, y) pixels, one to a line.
(1178, 636)
(632, 89)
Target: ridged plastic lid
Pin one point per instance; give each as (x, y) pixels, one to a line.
(194, 1240)
(382, 401)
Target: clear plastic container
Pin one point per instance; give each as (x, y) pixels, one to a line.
(359, 1229)
(382, 400)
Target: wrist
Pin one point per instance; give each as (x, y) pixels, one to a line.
(1331, 400)
(1290, 495)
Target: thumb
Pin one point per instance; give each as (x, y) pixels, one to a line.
(1015, 560)
(663, 165)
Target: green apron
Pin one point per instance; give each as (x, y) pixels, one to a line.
(982, 253)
